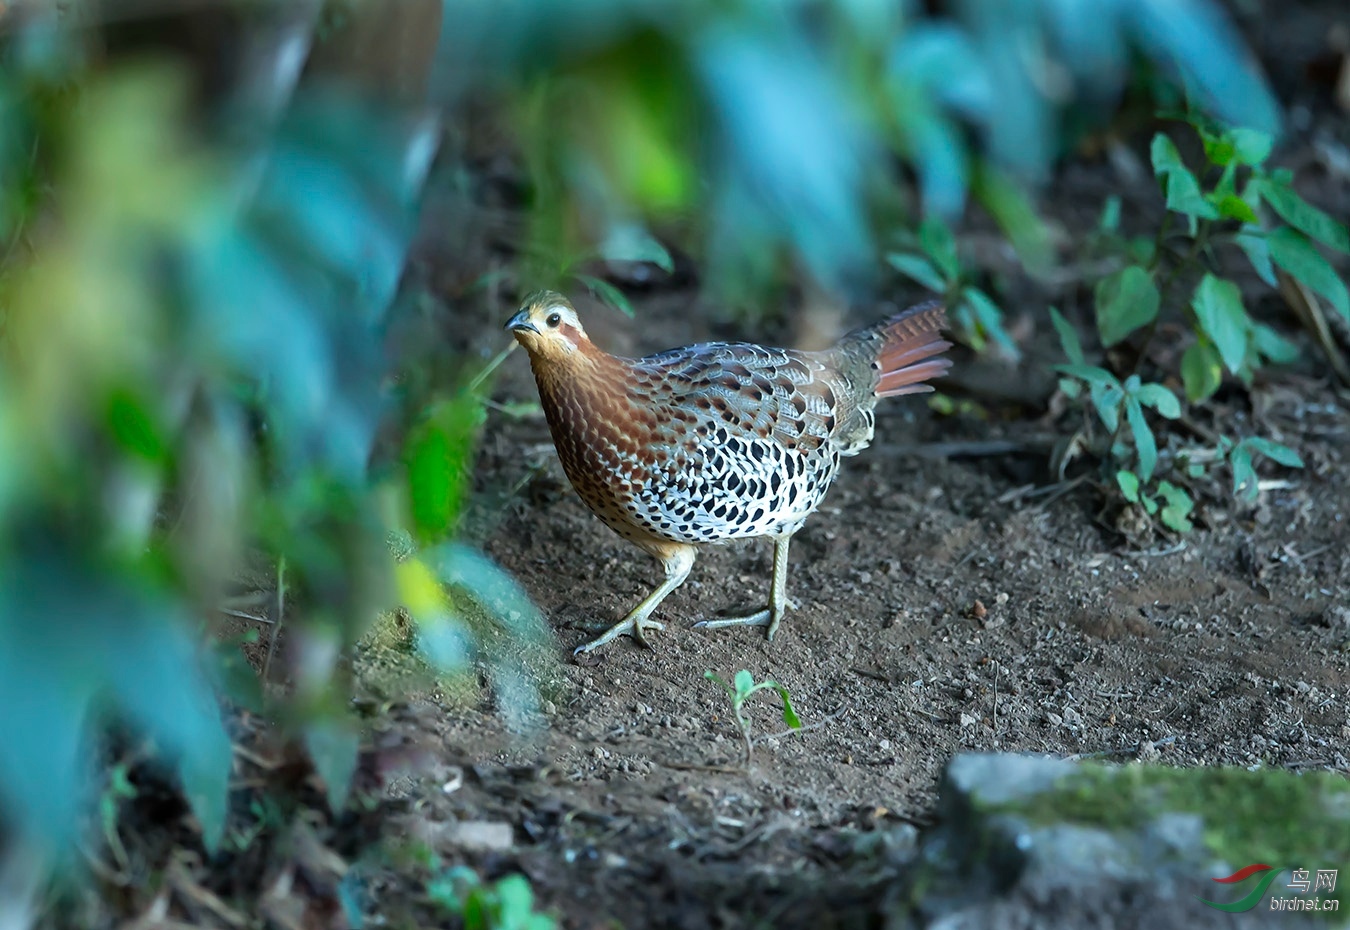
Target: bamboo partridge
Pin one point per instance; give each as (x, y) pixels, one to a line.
(715, 441)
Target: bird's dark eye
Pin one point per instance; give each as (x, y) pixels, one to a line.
(554, 319)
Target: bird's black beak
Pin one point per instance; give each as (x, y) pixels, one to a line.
(522, 321)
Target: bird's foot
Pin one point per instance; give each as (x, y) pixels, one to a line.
(768, 617)
(628, 626)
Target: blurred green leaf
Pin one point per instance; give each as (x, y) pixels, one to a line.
(1302, 215)
(1091, 374)
(1252, 146)
(1274, 451)
(1244, 475)
(1201, 371)
(1233, 207)
(743, 682)
(630, 243)
(440, 464)
(1273, 346)
(1125, 301)
(1193, 39)
(1179, 184)
(1106, 400)
(1177, 507)
(333, 745)
(939, 245)
(770, 92)
(79, 647)
(990, 317)
(1110, 218)
(1144, 443)
(1128, 482)
(1222, 317)
(918, 269)
(1253, 242)
(1011, 207)
(789, 715)
(1160, 399)
(1068, 337)
(607, 293)
(1296, 254)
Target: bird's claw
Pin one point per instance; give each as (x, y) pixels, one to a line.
(626, 627)
(767, 617)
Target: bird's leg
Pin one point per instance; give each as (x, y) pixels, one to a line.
(677, 561)
(779, 602)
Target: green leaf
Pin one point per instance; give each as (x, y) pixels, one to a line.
(1274, 451)
(515, 899)
(1091, 374)
(1252, 240)
(1177, 507)
(1296, 254)
(1244, 475)
(1252, 146)
(1302, 215)
(1110, 218)
(990, 318)
(1201, 371)
(940, 246)
(713, 676)
(1128, 482)
(917, 268)
(607, 293)
(631, 243)
(1125, 301)
(1218, 308)
(332, 746)
(505, 601)
(1233, 207)
(1179, 184)
(1011, 207)
(1272, 345)
(440, 464)
(744, 682)
(1068, 337)
(1106, 399)
(1160, 399)
(1144, 443)
(789, 715)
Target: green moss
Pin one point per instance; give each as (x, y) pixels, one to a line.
(1276, 817)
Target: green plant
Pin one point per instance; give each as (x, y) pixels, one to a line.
(742, 687)
(930, 259)
(507, 904)
(1235, 200)
(1235, 204)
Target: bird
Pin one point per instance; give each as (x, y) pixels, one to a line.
(715, 441)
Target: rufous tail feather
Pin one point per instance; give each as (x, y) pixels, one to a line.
(906, 358)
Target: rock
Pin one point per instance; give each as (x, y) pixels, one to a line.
(481, 835)
(1026, 841)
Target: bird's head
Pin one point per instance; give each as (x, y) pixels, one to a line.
(547, 326)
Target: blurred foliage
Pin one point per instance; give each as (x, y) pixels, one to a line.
(762, 135)
(1232, 205)
(507, 904)
(192, 374)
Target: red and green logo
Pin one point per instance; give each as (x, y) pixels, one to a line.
(1252, 898)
